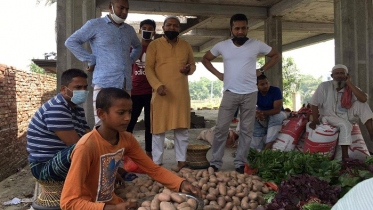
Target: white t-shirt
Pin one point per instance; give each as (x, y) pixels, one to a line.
(240, 64)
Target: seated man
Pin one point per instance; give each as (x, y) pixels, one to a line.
(340, 102)
(56, 127)
(269, 117)
(96, 157)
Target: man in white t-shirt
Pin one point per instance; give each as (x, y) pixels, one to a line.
(240, 90)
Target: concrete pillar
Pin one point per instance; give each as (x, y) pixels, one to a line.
(353, 26)
(71, 15)
(273, 37)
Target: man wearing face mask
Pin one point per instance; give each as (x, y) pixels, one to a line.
(55, 128)
(110, 39)
(341, 103)
(141, 93)
(169, 61)
(240, 90)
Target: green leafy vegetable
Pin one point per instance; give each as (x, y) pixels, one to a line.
(268, 197)
(275, 165)
(316, 206)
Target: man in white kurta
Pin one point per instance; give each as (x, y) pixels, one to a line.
(326, 101)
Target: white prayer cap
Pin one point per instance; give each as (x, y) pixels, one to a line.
(171, 17)
(340, 66)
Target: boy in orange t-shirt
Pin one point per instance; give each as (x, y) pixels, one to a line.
(96, 157)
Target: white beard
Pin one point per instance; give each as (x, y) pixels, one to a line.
(337, 84)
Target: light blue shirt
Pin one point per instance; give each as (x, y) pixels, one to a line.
(110, 51)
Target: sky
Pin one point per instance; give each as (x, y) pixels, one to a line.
(33, 34)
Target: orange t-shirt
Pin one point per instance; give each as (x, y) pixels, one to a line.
(94, 163)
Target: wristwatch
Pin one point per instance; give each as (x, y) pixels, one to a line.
(261, 70)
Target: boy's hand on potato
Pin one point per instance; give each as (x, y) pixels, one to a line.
(186, 187)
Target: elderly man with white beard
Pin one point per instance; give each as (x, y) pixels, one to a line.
(341, 103)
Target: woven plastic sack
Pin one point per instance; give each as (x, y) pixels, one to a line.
(323, 139)
(358, 149)
(292, 130)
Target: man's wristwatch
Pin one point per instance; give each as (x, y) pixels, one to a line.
(261, 70)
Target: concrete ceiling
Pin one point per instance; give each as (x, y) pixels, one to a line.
(304, 22)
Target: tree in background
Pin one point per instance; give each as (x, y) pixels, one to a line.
(293, 82)
(308, 86)
(291, 79)
(201, 89)
(35, 68)
(47, 3)
(217, 89)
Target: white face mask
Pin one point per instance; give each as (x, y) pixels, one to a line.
(116, 19)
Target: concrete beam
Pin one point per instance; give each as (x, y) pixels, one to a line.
(136, 25)
(273, 37)
(208, 32)
(198, 54)
(205, 47)
(354, 46)
(71, 15)
(286, 26)
(180, 8)
(308, 27)
(254, 24)
(194, 23)
(307, 42)
(195, 48)
(286, 6)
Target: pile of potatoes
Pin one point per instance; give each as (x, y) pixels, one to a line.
(168, 200)
(139, 188)
(227, 190)
(220, 190)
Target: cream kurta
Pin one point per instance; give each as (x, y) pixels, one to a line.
(163, 64)
(328, 101)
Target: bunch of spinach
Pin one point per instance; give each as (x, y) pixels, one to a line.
(276, 166)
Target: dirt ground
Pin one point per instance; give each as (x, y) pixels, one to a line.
(22, 184)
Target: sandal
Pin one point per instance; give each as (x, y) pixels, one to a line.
(127, 176)
(177, 169)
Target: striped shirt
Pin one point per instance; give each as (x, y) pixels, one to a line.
(54, 115)
(359, 197)
(110, 51)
